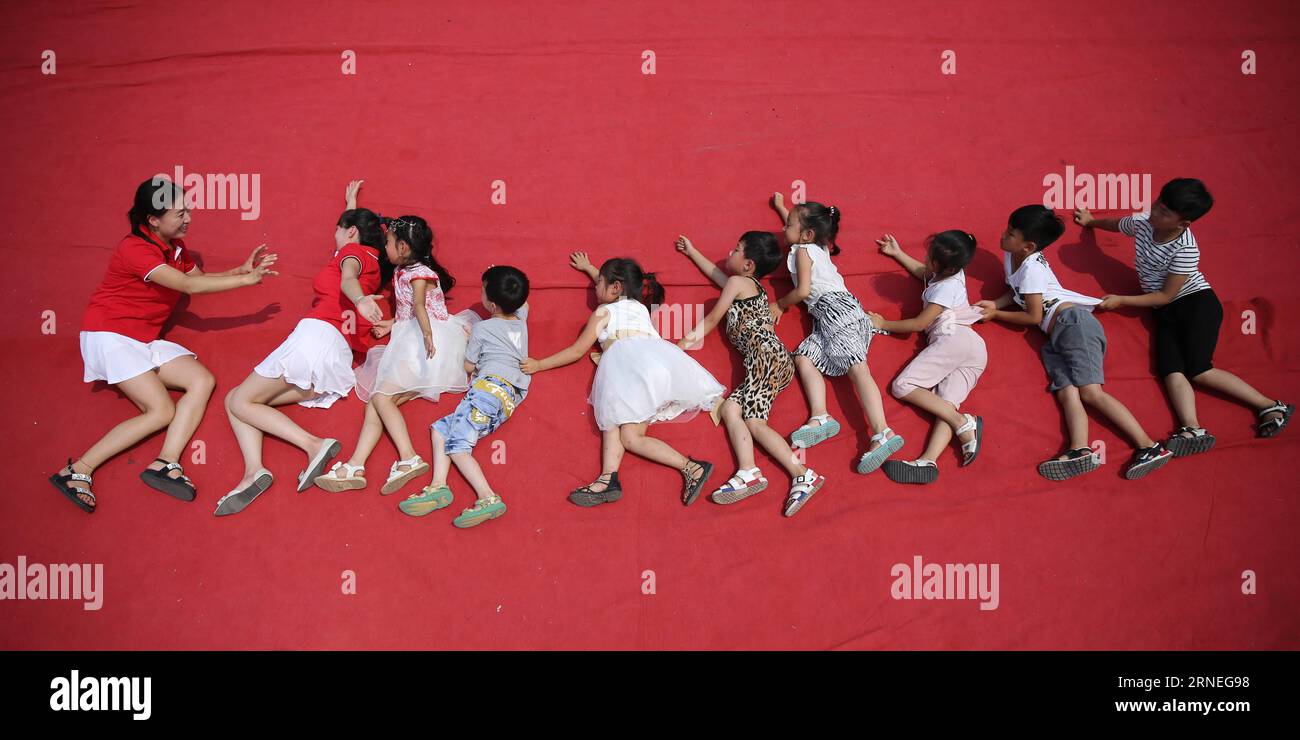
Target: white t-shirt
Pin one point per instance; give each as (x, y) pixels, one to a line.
(949, 292)
(1035, 276)
(825, 278)
(1154, 261)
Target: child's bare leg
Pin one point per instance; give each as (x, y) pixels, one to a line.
(872, 404)
(814, 386)
(469, 468)
(940, 437)
(943, 411)
(611, 456)
(372, 428)
(1076, 418)
(252, 405)
(394, 422)
(441, 461)
(1093, 395)
(1183, 398)
(634, 440)
(1230, 385)
(738, 432)
(775, 445)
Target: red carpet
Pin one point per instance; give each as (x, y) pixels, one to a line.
(747, 98)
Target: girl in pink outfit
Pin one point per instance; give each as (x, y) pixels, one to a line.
(942, 376)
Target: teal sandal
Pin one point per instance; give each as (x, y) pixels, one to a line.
(427, 501)
(482, 510)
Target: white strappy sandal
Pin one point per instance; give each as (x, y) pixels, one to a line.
(970, 450)
(353, 478)
(889, 444)
(742, 485)
(398, 478)
(802, 489)
(809, 435)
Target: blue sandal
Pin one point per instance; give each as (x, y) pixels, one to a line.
(809, 435)
(875, 458)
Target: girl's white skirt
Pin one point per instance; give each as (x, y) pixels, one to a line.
(646, 379)
(315, 357)
(114, 357)
(404, 365)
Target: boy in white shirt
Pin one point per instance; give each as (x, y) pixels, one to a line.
(1075, 348)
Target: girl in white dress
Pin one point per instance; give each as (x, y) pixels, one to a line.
(424, 358)
(641, 379)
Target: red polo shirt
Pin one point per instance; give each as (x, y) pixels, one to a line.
(330, 305)
(127, 302)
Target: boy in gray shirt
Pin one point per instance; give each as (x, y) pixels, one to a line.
(496, 347)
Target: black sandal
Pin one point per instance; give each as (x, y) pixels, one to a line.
(181, 488)
(585, 496)
(1199, 441)
(1271, 427)
(1147, 460)
(74, 495)
(1078, 461)
(691, 486)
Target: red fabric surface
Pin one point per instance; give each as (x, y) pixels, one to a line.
(747, 97)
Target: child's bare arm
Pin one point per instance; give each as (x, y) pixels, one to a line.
(1162, 297)
(569, 354)
(350, 194)
(702, 263)
(1031, 316)
(889, 247)
(1084, 218)
(917, 323)
(778, 202)
(579, 262)
(351, 287)
(803, 285)
(730, 290)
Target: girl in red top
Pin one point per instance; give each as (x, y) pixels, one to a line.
(313, 367)
(148, 272)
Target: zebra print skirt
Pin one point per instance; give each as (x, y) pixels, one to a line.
(841, 334)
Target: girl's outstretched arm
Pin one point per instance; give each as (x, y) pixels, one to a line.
(710, 270)
(570, 354)
(889, 247)
(778, 202)
(803, 284)
(579, 262)
(917, 323)
(351, 288)
(730, 290)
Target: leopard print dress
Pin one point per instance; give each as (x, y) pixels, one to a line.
(768, 364)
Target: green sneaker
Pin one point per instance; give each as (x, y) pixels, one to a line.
(427, 501)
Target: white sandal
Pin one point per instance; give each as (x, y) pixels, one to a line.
(802, 489)
(889, 444)
(398, 478)
(742, 485)
(970, 450)
(352, 479)
(809, 435)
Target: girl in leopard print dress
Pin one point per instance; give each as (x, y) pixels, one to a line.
(768, 366)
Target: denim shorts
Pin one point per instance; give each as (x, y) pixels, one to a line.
(486, 406)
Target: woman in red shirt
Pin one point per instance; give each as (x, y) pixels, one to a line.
(148, 272)
(313, 367)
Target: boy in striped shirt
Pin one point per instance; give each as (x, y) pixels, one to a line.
(1187, 312)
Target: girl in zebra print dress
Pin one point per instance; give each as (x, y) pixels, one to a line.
(841, 331)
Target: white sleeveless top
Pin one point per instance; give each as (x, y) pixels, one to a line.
(627, 317)
(825, 278)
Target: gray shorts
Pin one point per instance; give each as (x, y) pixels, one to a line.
(1074, 352)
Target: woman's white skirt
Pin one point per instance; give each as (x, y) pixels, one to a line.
(114, 357)
(315, 357)
(404, 365)
(646, 379)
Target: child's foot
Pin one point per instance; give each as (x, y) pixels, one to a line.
(1146, 460)
(742, 485)
(328, 450)
(1189, 441)
(1273, 419)
(971, 435)
(344, 476)
(883, 444)
(482, 510)
(603, 490)
(694, 476)
(802, 489)
(428, 500)
(403, 472)
(1070, 464)
(911, 471)
(816, 430)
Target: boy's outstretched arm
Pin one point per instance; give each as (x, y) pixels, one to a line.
(996, 310)
(1162, 297)
(702, 263)
(1084, 218)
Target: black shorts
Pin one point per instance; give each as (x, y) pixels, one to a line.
(1187, 331)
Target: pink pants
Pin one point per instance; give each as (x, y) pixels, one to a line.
(949, 366)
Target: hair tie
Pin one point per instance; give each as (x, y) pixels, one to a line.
(832, 210)
(970, 236)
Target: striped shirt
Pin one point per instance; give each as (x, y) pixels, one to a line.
(1155, 260)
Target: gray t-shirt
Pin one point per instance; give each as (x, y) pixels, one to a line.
(497, 346)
